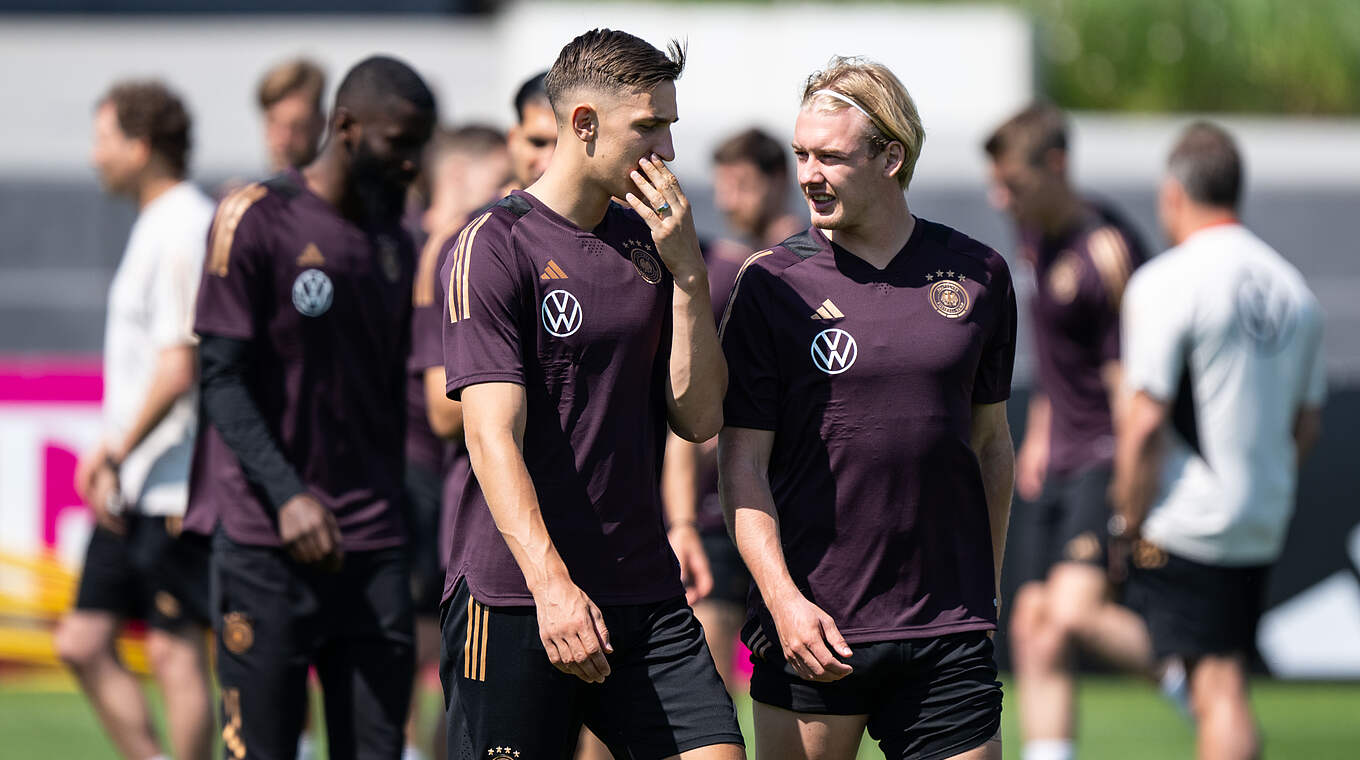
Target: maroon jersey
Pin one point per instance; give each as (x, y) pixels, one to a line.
(1079, 282)
(423, 448)
(326, 305)
(581, 319)
(868, 378)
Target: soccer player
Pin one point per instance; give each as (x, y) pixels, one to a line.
(575, 331)
(290, 96)
(136, 477)
(751, 184)
(866, 464)
(304, 312)
(533, 136)
(1081, 254)
(1225, 380)
(465, 169)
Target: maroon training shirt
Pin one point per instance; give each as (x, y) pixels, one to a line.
(582, 321)
(868, 378)
(1079, 280)
(327, 308)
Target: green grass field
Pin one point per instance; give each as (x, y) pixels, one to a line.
(1119, 719)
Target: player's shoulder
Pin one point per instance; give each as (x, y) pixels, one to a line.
(958, 243)
(492, 227)
(777, 260)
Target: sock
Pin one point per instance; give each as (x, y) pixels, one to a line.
(160, 757)
(412, 753)
(306, 748)
(1047, 749)
(1176, 687)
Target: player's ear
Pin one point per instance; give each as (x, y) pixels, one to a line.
(345, 126)
(585, 123)
(896, 154)
(1055, 161)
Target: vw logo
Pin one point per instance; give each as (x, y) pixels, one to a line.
(312, 293)
(561, 313)
(834, 351)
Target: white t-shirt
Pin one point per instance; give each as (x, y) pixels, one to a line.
(1226, 308)
(151, 307)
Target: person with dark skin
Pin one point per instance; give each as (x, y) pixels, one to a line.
(304, 314)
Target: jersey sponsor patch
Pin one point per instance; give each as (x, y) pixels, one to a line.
(644, 261)
(552, 272)
(387, 258)
(238, 635)
(827, 312)
(313, 293)
(834, 351)
(561, 314)
(311, 257)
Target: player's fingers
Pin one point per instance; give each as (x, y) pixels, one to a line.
(809, 659)
(653, 196)
(601, 630)
(662, 180)
(827, 666)
(643, 210)
(833, 636)
(581, 662)
(703, 576)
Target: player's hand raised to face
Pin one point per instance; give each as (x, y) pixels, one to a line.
(572, 630)
(808, 636)
(663, 205)
(310, 533)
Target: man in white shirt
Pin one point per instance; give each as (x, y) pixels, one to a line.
(1224, 383)
(135, 478)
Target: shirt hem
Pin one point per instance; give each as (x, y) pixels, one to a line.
(224, 331)
(527, 600)
(457, 384)
(347, 545)
(915, 632)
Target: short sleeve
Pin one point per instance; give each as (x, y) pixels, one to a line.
(1113, 257)
(175, 288)
(752, 399)
(1154, 338)
(1315, 386)
(992, 383)
(482, 320)
(429, 298)
(229, 292)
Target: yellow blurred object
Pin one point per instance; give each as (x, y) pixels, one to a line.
(35, 591)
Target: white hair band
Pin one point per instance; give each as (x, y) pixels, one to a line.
(846, 99)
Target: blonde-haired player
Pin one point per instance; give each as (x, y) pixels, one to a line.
(866, 464)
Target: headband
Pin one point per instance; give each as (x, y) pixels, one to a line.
(846, 99)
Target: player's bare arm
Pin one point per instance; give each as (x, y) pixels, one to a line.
(1139, 443)
(570, 625)
(1031, 461)
(809, 637)
(1307, 430)
(698, 372)
(991, 442)
(443, 413)
(680, 500)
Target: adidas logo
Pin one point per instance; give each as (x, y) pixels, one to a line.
(827, 312)
(311, 257)
(552, 272)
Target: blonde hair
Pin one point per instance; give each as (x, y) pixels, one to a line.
(879, 95)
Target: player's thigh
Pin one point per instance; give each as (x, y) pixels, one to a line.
(721, 622)
(84, 637)
(991, 750)
(782, 734)
(663, 696)
(1218, 680)
(947, 700)
(503, 698)
(174, 574)
(1031, 537)
(1075, 593)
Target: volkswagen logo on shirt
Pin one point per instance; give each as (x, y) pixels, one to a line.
(561, 314)
(312, 293)
(834, 351)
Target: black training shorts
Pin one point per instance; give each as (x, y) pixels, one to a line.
(149, 573)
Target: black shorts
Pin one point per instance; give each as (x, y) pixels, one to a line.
(149, 573)
(1193, 609)
(424, 491)
(731, 581)
(277, 618)
(1068, 523)
(925, 698)
(505, 700)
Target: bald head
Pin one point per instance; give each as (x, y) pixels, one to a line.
(374, 83)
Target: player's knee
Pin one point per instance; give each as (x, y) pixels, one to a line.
(78, 649)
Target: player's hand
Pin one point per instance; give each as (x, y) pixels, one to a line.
(106, 498)
(695, 571)
(1031, 465)
(309, 532)
(809, 636)
(572, 630)
(673, 231)
(86, 467)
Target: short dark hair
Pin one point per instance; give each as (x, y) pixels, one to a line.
(754, 146)
(379, 77)
(148, 110)
(532, 90)
(1208, 165)
(1036, 130)
(298, 76)
(613, 61)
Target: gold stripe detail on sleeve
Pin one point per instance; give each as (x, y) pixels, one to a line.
(427, 270)
(228, 217)
(455, 256)
(736, 284)
(486, 624)
(467, 258)
(467, 645)
(458, 271)
(1111, 258)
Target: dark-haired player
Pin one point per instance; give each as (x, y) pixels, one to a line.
(866, 463)
(1081, 254)
(575, 331)
(533, 136)
(304, 313)
(135, 479)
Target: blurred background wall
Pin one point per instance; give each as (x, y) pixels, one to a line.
(1284, 76)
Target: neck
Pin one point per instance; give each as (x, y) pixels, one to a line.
(561, 189)
(328, 179)
(1067, 212)
(879, 240)
(153, 188)
(1199, 218)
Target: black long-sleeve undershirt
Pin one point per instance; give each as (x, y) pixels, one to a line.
(229, 407)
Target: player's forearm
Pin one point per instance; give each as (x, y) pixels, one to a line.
(1137, 467)
(443, 413)
(996, 458)
(679, 482)
(173, 376)
(698, 372)
(753, 521)
(1038, 421)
